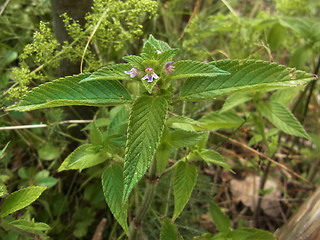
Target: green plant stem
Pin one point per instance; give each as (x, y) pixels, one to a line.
(147, 200)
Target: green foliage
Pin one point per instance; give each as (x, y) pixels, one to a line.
(184, 181)
(69, 91)
(145, 128)
(20, 199)
(220, 219)
(244, 75)
(113, 185)
(168, 230)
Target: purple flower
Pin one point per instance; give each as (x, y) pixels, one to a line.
(158, 51)
(150, 75)
(169, 69)
(133, 72)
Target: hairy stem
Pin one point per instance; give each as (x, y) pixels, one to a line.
(147, 200)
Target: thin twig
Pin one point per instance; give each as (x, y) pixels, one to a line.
(261, 155)
(190, 19)
(91, 36)
(4, 7)
(43, 125)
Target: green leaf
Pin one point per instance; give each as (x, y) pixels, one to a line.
(282, 118)
(49, 152)
(308, 28)
(95, 136)
(244, 75)
(20, 199)
(184, 181)
(135, 61)
(211, 156)
(221, 220)
(146, 124)
(285, 96)
(119, 121)
(42, 178)
(112, 72)
(149, 51)
(3, 190)
(83, 157)
(217, 120)
(33, 227)
(168, 230)
(113, 185)
(158, 44)
(235, 100)
(162, 156)
(166, 56)
(180, 138)
(187, 69)
(3, 150)
(68, 91)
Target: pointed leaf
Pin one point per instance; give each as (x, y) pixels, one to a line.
(166, 56)
(20, 199)
(221, 220)
(217, 120)
(31, 227)
(112, 72)
(244, 75)
(168, 230)
(146, 124)
(235, 100)
(211, 156)
(186, 69)
(83, 157)
(184, 181)
(135, 61)
(158, 44)
(112, 182)
(68, 91)
(180, 138)
(282, 118)
(149, 51)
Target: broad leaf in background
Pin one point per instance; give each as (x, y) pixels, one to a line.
(244, 75)
(250, 234)
(112, 72)
(235, 100)
(20, 199)
(217, 120)
(308, 28)
(184, 180)
(86, 155)
(180, 138)
(285, 96)
(68, 91)
(168, 230)
(112, 183)
(282, 118)
(188, 68)
(221, 220)
(146, 124)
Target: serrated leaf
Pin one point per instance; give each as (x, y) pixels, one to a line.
(221, 220)
(211, 156)
(146, 124)
(112, 72)
(68, 91)
(187, 69)
(95, 135)
(113, 184)
(285, 96)
(84, 156)
(180, 138)
(282, 118)
(244, 75)
(20, 199)
(149, 51)
(135, 61)
(166, 56)
(149, 85)
(217, 120)
(158, 44)
(184, 180)
(168, 230)
(119, 121)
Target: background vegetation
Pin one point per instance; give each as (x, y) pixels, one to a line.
(37, 45)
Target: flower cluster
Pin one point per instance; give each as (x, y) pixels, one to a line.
(150, 74)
